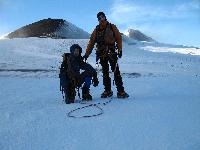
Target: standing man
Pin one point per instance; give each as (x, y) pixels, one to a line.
(108, 39)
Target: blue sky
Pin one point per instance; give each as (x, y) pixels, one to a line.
(169, 21)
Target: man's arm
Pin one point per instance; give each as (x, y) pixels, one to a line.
(118, 38)
(91, 43)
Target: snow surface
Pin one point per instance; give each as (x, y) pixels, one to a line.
(162, 112)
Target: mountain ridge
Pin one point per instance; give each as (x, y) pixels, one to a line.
(53, 28)
(139, 36)
(62, 29)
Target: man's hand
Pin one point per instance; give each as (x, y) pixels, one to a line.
(120, 53)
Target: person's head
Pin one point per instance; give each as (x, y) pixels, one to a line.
(76, 50)
(101, 17)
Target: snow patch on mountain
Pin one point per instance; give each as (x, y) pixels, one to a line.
(137, 35)
(70, 31)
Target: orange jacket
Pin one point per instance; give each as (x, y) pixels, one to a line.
(92, 41)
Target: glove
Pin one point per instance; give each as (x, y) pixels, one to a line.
(85, 57)
(120, 53)
(95, 81)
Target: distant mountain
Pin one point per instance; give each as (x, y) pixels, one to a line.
(139, 36)
(54, 28)
(128, 40)
(59, 28)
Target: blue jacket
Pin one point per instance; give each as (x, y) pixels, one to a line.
(78, 64)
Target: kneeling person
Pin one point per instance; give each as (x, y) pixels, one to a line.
(71, 78)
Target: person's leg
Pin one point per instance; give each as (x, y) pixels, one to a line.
(117, 77)
(106, 78)
(90, 71)
(105, 71)
(70, 93)
(86, 89)
(86, 81)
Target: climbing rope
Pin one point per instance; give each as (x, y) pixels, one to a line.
(96, 105)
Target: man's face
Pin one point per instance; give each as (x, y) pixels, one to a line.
(101, 18)
(76, 52)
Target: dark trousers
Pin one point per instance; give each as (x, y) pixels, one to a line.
(85, 77)
(104, 61)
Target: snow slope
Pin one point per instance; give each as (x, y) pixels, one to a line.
(162, 112)
(69, 30)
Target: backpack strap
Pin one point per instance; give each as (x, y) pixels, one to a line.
(112, 29)
(110, 26)
(97, 33)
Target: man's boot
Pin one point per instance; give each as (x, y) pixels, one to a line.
(86, 94)
(107, 86)
(69, 96)
(122, 94)
(106, 94)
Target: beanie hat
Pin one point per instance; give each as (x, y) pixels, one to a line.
(101, 14)
(74, 46)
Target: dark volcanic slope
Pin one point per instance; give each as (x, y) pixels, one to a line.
(45, 27)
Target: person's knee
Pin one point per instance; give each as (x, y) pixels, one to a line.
(87, 81)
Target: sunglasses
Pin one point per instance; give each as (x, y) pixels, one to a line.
(101, 18)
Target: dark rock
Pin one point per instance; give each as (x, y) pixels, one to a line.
(139, 36)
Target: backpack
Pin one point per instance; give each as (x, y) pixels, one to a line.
(106, 36)
(105, 40)
(67, 80)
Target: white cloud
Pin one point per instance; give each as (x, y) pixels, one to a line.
(190, 6)
(128, 12)
(162, 23)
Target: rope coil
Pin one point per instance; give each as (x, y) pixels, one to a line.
(69, 114)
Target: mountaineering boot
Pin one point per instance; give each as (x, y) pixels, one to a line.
(69, 98)
(122, 94)
(69, 94)
(86, 94)
(87, 97)
(106, 94)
